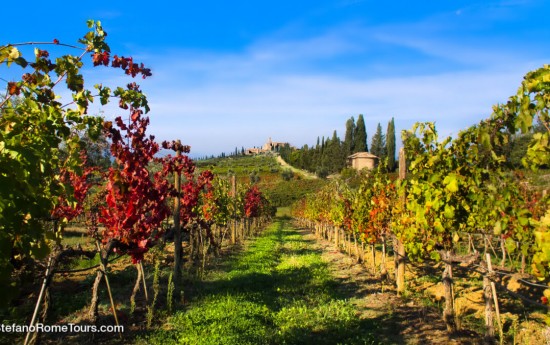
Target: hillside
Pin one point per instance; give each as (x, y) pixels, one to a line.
(282, 188)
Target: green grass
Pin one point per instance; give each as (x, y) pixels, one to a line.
(278, 291)
(75, 235)
(283, 212)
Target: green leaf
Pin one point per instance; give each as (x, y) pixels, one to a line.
(449, 212)
(451, 183)
(510, 245)
(497, 229)
(523, 221)
(21, 62)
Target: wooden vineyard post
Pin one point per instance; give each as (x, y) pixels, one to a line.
(135, 290)
(40, 296)
(356, 247)
(400, 270)
(242, 227)
(143, 280)
(495, 298)
(448, 312)
(178, 250)
(373, 249)
(44, 293)
(383, 263)
(104, 269)
(503, 249)
(488, 297)
(234, 193)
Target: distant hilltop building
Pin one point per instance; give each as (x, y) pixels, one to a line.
(269, 146)
(252, 151)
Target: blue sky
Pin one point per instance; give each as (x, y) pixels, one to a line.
(228, 74)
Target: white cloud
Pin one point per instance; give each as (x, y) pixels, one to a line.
(299, 108)
(285, 89)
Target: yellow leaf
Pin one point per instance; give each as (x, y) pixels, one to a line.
(497, 229)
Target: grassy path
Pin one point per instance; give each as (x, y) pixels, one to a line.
(284, 164)
(277, 291)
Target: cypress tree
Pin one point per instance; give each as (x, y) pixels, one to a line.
(325, 152)
(390, 145)
(348, 139)
(378, 146)
(335, 153)
(360, 136)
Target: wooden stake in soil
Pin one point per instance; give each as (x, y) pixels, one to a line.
(40, 296)
(135, 290)
(495, 298)
(356, 246)
(448, 313)
(489, 320)
(373, 249)
(108, 287)
(143, 279)
(383, 267)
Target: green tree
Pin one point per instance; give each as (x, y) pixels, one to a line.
(390, 145)
(348, 138)
(360, 136)
(334, 155)
(285, 152)
(378, 145)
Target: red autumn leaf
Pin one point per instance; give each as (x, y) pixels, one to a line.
(13, 88)
(96, 59)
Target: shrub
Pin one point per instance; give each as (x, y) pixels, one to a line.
(287, 174)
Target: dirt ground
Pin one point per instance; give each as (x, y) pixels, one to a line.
(404, 322)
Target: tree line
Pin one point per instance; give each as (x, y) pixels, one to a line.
(330, 155)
